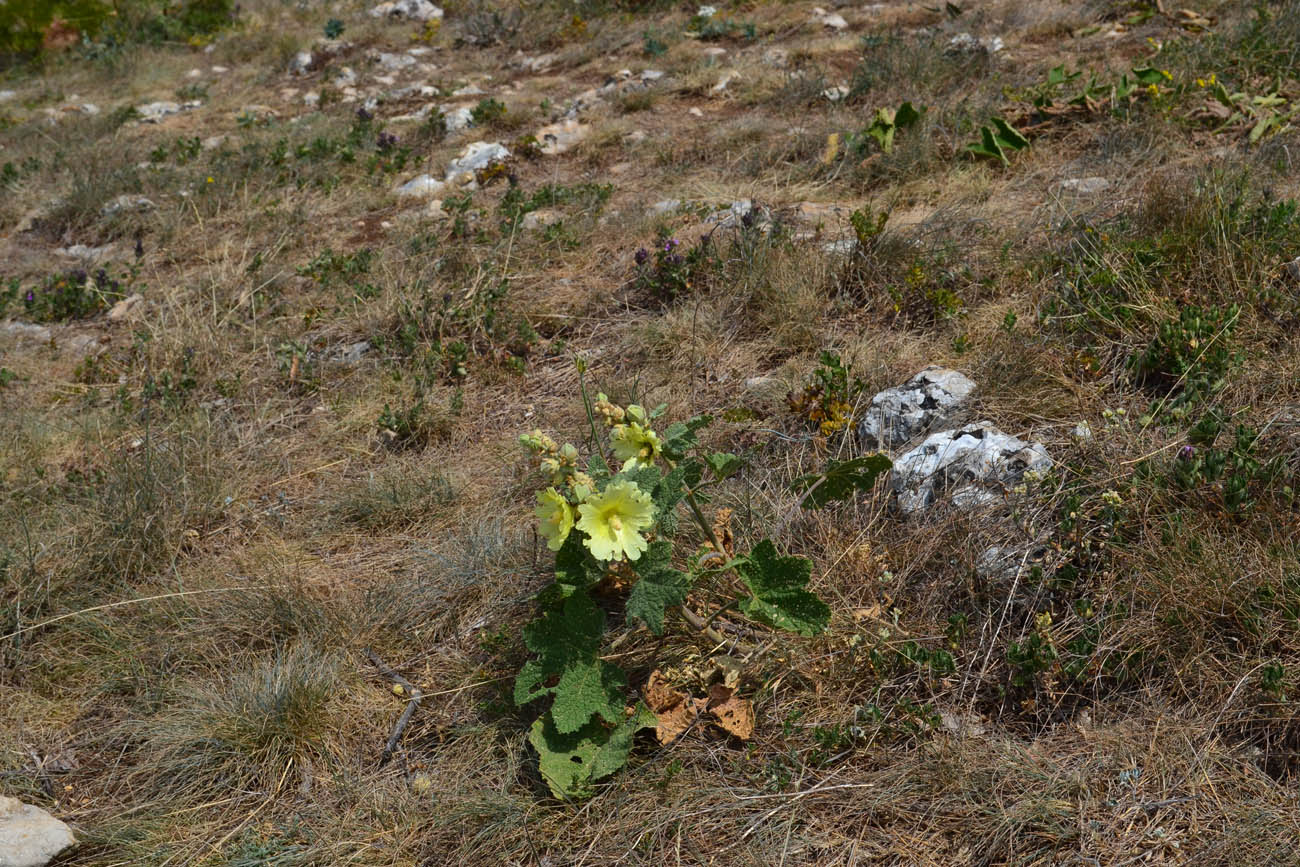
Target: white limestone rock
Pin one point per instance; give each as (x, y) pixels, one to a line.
(899, 415)
(30, 836)
(970, 467)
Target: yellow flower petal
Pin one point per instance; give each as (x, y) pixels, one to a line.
(556, 517)
(613, 520)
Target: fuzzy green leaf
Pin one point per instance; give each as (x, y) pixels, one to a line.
(781, 597)
(571, 762)
(566, 635)
(574, 564)
(659, 588)
(670, 490)
(645, 478)
(680, 437)
(585, 690)
(724, 464)
(840, 479)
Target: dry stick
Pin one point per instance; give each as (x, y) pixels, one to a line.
(405, 719)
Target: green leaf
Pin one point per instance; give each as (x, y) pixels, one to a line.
(679, 437)
(568, 634)
(1149, 75)
(724, 464)
(598, 469)
(840, 479)
(988, 147)
(882, 129)
(659, 587)
(574, 564)
(585, 690)
(571, 762)
(645, 478)
(1257, 132)
(907, 115)
(779, 585)
(1008, 135)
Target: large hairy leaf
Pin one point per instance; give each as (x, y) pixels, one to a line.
(781, 597)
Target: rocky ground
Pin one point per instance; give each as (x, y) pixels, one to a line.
(278, 299)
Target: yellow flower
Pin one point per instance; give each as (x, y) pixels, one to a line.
(634, 444)
(556, 517)
(613, 521)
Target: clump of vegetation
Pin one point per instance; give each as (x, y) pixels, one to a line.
(63, 297)
(612, 523)
(829, 403)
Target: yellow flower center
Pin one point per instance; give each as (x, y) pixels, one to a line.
(615, 524)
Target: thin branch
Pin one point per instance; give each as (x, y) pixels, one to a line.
(405, 719)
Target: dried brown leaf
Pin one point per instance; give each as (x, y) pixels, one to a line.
(733, 714)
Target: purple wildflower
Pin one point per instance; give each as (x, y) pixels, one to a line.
(670, 245)
(642, 256)
(1186, 453)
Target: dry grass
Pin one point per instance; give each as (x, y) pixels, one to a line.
(210, 512)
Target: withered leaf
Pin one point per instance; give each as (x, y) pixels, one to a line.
(659, 696)
(677, 719)
(733, 714)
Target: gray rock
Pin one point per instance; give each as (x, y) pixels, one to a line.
(477, 155)
(457, 117)
(899, 415)
(422, 187)
(665, 206)
(154, 112)
(352, 352)
(1085, 186)
(7, 95)
(89, 255)
(301, 63)
(29, 836)
(25, 331)
(972, 466)
(394, 62)
(126, 202)
(413, 10)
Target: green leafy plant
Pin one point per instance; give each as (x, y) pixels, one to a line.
(613, 523)
(889, 121)
(333, 28)
(827, 403)
(63, 297)
(996, 139)
(1237, 469)
(1189, 357)
(668, 274)
(488, 111)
